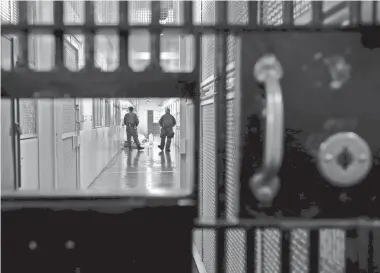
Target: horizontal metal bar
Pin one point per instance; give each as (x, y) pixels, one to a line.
(289, 223)
(94, 83)
(124, 30)
(95, 204)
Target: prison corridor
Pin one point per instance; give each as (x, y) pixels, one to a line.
(149, 169)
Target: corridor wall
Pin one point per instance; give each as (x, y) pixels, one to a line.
(55, 153)
(98, 145)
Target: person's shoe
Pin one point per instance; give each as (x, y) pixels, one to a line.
(161, 148)
(140, 148)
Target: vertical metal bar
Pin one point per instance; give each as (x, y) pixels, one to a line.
(250, 253)
(90, 41)
(288, 13)
(23, 54)
(58, 34)
(317, 13)
(155, 36)
(371, 263)
(15, 143)
(220, 106)
(197, 117)
(123, 35)
(285, 251)
(363, 248)
(355, 12)
(12, 53)
(314, 251)
(374, 11)
(188, 13)
(252, 13)
(351, 255)
(220, 128)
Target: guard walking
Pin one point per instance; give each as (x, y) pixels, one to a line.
(167, 122)
(131, 121)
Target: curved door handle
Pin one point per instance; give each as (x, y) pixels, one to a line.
(265, 183)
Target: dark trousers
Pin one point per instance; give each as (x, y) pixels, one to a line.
(166, 134)
(132, 133)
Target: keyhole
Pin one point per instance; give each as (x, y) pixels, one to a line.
(344, 159)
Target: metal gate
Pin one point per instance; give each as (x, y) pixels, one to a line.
(321, 57)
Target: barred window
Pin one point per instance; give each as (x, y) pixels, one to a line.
(97, 112)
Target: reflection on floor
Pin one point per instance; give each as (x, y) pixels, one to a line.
(142, 170)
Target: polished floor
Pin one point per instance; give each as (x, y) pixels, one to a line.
(149, 170)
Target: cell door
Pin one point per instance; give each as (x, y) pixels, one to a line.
(310, 137)
(67, 132)
(10, 123)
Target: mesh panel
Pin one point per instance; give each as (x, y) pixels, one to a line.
(231, 151)
(332, 251)
(299, 251)
(237, 14)
(208, 192)
(28, 116)
(236, 251)
(235, 238)
(271, 251)
(68, 115)
(207, 9)
(141, 12)
(199, 233)
(272, 11)
(5, 11)
(69, 165)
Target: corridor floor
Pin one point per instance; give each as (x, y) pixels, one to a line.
(146, 170)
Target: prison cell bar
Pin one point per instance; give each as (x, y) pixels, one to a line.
(219, 29)
(220, 131)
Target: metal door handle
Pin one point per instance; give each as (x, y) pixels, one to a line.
(265, 183)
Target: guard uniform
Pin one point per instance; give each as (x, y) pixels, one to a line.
(131, 121)
(167, 122)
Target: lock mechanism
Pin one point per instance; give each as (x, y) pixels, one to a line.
(344, 159)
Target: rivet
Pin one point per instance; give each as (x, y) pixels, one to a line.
(32, 245)
(363, 158)
(328, 157)
(70, 244)
(265, 193)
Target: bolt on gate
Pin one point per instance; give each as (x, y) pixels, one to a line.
(301, 193)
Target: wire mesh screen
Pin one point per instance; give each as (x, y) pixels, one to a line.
(272, 11)
(209, 186)
(141, 12)
(206, 9)
(237, 15)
